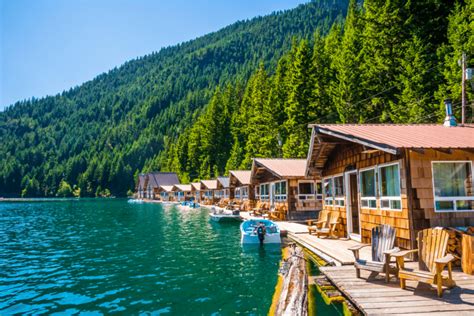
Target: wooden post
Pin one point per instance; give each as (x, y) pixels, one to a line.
(409, 198)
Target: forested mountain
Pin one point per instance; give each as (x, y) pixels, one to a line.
(99, 135)
(249, 90)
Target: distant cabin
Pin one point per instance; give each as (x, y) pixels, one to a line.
(183, 192)
(291, 195)
(197, 191)
(408, 176)
(239, 181)
(149, 183)
(224, 191)
(208, 187)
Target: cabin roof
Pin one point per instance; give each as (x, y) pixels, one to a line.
(167, 188)
(210, 184)
(280, 167)
(224, 181)
(183, 187)
(243, 176)
(196, 186)
(390, 138)
(141, 181)
(157, 179)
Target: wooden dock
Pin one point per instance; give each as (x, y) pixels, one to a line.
(375, 297)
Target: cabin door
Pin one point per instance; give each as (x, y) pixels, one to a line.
(353, 209)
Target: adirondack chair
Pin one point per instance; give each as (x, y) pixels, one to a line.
(383, 239)
(321, 222)
(432, 245)
(331, 226)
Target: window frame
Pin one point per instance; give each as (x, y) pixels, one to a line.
(265, 197)
(379, 188)
(244, 192)
(237, 193)
(307, 197)
(339, 200)
(375, 198)
(448, 198)
(280, 197)
(319, 195)
(325, 198)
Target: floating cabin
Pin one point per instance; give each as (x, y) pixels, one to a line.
(284, 186)
(183, 192)
(196, 189)
(166, 193)
(149, 183)
(208, 187)
(223, 192)
(239, 182)
(408, 176)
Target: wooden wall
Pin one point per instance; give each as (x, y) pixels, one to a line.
(351, 156)
(424, 215)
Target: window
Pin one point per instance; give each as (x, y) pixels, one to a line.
(237, 193)
(452, 186)
(368, 194)
(208, 194)
(328, 197)
(264, 191)
(339, 191)
(280, 191)
(245, 192)
(319, 190)
(306, 190)
(226, 193)
(389, 187)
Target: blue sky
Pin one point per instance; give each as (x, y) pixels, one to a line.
(47, 46)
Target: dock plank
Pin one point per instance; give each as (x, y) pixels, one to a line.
(375, 297)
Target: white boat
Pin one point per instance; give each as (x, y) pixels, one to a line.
(248, 231)
(219, 214)
(135, 201)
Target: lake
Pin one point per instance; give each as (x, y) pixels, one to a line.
(102, 256)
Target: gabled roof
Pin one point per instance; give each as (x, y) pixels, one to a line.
(183, 187)
(390, 138)
(209, 184)
(224, 181)
(196, 186)
(167, 188)
(282, 168)
(242, 176)
(157, 179)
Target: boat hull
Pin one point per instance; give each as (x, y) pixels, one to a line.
(220, 218)
(249, 235)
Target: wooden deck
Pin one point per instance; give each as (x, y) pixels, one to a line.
(375, 297)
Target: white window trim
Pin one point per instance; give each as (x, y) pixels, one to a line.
(237, 193)
(319, 196)
(307, 197)
(375, 186)
(448, 198)
(242, 195)
(379, 189)
(281, 197)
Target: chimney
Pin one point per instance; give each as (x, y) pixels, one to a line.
(450, 120)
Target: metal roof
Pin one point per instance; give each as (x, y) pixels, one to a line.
(243, 176)
(390, 137)
(284, 168)
(183, 187)
(224, 181)
(210, 184)
(157, 179)
(167, 188)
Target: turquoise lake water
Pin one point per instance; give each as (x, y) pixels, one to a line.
(104, 256)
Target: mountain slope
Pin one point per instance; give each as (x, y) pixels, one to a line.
(98, 135)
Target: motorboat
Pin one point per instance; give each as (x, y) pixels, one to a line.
(135, 201)
(219, 214)
(186, 205)
(248, 231)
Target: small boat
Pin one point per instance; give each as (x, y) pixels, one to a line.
(135, 201)
(219, 214)
(248, 231)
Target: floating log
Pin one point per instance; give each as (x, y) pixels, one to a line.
(293, 294)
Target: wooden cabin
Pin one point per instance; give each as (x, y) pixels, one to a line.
(223, 194)
(208, 187)
(166, 193)
(183, 192)
(408, 176)
(239, 182)
(153, 180)
(197, 191)
(282, 186)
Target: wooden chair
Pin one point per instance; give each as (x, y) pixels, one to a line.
(331, 226)
(321, 222)
(383, 239)
(432, 245)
